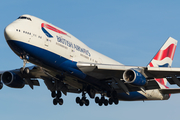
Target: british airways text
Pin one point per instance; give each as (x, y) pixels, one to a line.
(71, 45)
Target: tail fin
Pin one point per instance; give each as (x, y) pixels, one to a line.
(164, 57)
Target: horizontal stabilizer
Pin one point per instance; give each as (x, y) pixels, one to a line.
(170, 91)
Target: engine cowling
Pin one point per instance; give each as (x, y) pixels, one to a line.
(12, 80)
(135, 78)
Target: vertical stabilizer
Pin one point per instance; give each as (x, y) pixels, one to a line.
(164, 57)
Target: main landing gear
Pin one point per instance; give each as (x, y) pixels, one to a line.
(102, 100)
(83, 100)
(113, 99)
(56, 94)
(57, 97)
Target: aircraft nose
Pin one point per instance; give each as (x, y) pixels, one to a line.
(9, 32)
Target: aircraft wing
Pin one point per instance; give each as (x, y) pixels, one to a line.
(30, 78)
(170, 91)
(160, 72)
(105, 71)
(102, 71)
(16, 79)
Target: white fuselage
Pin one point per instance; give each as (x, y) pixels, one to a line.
(62, 44)
(66, 46)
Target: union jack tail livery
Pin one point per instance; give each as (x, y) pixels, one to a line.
(164, 57)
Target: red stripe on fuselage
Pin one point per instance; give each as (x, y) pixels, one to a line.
(52, 28)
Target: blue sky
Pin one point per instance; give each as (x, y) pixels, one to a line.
(130, 32)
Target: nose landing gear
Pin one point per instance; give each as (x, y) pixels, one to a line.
(25, 59)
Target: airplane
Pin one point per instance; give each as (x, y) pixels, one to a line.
(67, 65)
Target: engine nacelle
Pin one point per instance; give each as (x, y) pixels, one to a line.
(12, 80)
(135, 78)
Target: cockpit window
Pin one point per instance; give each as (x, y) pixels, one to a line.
(23, 17)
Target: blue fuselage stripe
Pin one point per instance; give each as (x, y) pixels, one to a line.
(132, 96)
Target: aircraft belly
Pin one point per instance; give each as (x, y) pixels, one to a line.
(154, 95)
(139, 95)
(133, 96)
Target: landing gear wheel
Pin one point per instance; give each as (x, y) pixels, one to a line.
(55, 101)
(102, 99)
(110, 101)
(59, 94)
(78, 100)
(60, 101)
(100, 103)
(87, 102)
(97, 99)
(53, 94)
(81, 103)
(105, 102)
(116, 101)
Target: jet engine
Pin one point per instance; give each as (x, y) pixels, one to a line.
(135, 78)
(12, 80)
